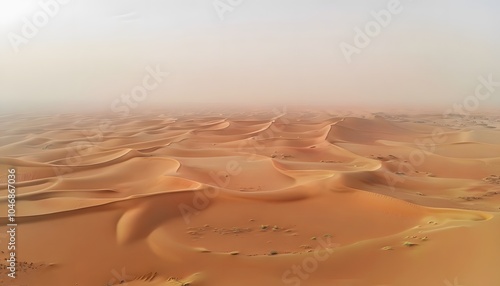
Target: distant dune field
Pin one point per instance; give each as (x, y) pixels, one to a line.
(305, 197)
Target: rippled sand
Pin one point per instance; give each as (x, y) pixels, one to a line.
(254, 198)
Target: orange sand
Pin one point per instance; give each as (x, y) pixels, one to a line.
(247, 198)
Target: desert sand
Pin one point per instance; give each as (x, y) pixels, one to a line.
(257, 197)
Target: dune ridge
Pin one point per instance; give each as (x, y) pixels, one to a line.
(209, 198)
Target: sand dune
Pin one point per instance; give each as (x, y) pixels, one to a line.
(244, 198)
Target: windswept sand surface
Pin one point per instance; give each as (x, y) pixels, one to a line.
(253, 198)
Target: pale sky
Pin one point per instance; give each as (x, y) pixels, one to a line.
(88, 53)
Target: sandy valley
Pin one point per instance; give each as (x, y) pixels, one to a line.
(303, 197)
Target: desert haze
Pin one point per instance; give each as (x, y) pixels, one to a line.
(249, 143)
(257, 197)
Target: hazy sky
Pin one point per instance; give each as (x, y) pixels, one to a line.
(90, 52)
